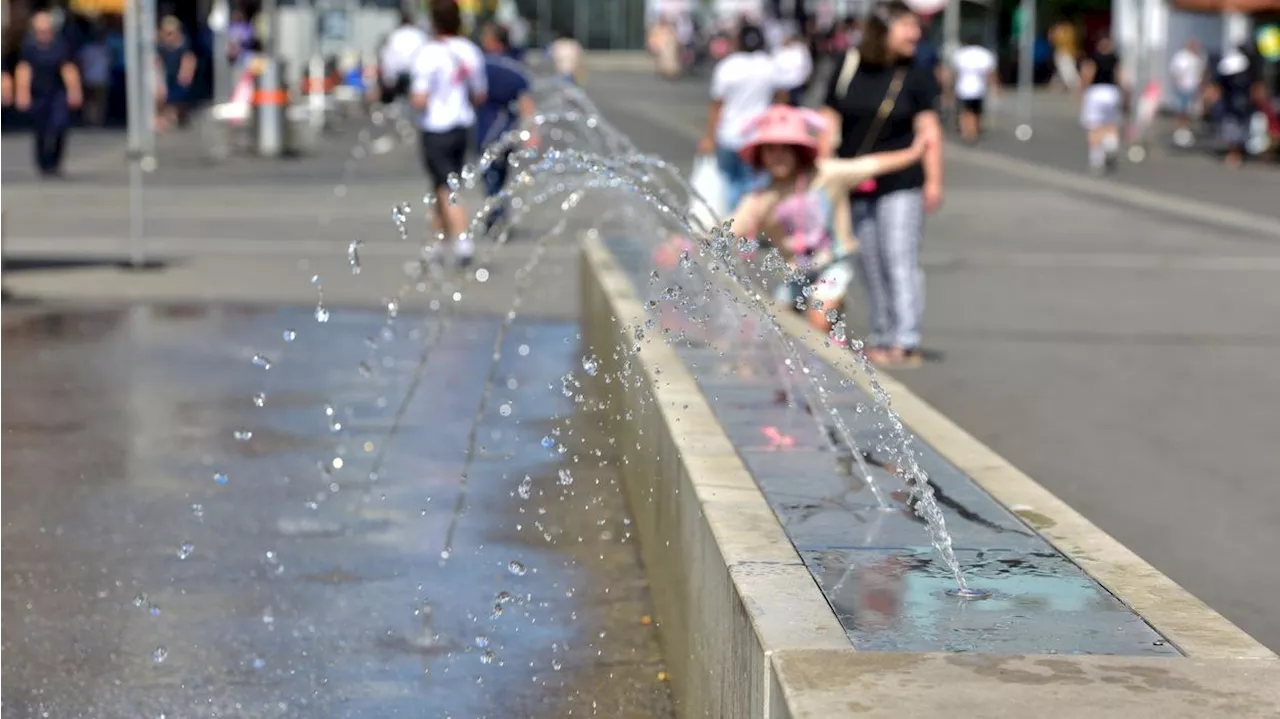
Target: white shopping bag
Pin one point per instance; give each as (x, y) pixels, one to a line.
(833, 283)
(707, 206)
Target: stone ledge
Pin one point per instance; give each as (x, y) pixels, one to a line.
(746, 630)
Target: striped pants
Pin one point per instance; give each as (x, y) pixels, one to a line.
(889, 228)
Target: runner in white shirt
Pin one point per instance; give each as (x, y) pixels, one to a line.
(743, 85)
(795, 65)
(448, 82)
(395, 61)
(1186, 71)
(976, 77)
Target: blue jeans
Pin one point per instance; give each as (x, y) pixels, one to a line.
(495, 176)
(738, 176)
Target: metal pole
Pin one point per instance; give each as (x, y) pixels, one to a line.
(1026, 69)
(580, 26)
(219, 19)
(140, 90)
(950, 29)
(1138, 75)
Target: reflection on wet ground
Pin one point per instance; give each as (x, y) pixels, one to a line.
(874, 565)
(189, 534)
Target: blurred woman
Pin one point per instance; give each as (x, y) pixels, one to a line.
(880, 100)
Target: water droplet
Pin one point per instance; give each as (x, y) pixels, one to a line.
(153, 610)
(505, 409)
(140, 600)
(556, 664)
(261, 360)
(482, 642)
(290, 335)
(186, 550)
(353, 255)
(566, 477)
(220, 477)
(525, 490)
(260, 399)
(243, 435)
(523, 350)
(487, 657)
(590, 364)
(516, 568)
(393, 308)
(259, 662)
(548, 442)
(159, 655)
(482, 275)
(198, 510)
(322, 314)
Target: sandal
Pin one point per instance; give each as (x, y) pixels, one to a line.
(905, 358)
(878, 356)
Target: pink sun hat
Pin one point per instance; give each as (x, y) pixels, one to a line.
(798, 127)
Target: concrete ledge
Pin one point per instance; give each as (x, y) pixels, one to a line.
(728, 587)
(747, 632)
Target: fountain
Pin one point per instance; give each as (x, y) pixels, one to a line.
(840, 473)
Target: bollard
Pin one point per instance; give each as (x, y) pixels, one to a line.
(317, 86)
(270, 102)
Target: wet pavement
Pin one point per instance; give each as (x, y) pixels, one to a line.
(175, 549)
(873, 561)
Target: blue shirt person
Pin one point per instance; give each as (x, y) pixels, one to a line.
(47, 84)
(507, 104)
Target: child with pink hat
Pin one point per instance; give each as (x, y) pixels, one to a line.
(802, 207)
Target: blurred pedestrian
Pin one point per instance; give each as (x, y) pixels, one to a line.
(743, 85)
(566, 58)
(6, 81)
(47, 85)
(95, 72)
(1066, 53)
(507, 104)
(975, 70)
(802, 207)
(795, 66)
(1236, 81)
(665, 48)
(448, 81)
(1103, 86)
(880, 100)
(395, 61)
(177, 63)
(1186, 72)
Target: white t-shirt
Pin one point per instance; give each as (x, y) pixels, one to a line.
(398, 54)
(449, 71)
(1186, 69)
(745, 84)
(794, 65)
(973, 65)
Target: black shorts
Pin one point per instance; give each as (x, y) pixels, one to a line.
(444, 153)
(398, 89)
(974, 106)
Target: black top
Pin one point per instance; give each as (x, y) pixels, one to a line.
(46, 61)
(860, 104)
(1108, 64)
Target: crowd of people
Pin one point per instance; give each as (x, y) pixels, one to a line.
(850, 182)
(465, 98)
(59, 69)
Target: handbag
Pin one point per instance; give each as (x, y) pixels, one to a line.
(848, 69)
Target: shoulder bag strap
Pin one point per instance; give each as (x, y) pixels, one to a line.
(848, 68)
(886, 107)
